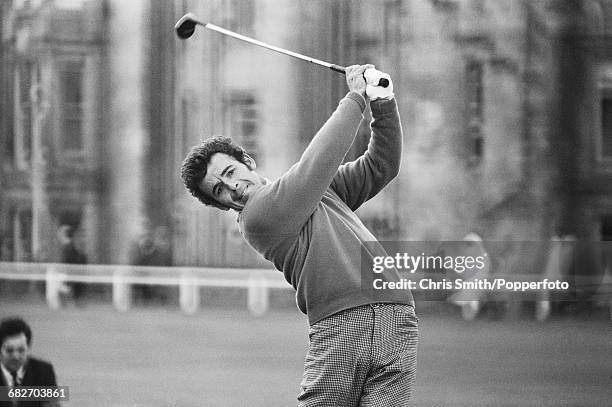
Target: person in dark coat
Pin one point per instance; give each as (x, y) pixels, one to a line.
(17, 366)
(71, 254)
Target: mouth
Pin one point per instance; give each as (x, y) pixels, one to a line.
(14, 364)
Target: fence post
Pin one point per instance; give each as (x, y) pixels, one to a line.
(189, 294)
(53, 285)
(603, 295)
(258, 298)
(552, 270)
(122, 291)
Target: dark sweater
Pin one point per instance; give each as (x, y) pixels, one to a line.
(304, 222)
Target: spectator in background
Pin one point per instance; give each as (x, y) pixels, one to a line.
(71, 254)
(470, 301)
(17, 366)
(151, 249)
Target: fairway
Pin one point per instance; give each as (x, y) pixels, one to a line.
(226, 357)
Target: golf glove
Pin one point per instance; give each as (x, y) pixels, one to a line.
(373, 91)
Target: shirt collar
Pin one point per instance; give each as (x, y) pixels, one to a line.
(7, 374)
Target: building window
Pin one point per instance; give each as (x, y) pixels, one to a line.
(71, 107)
(17, 243)
(475, 108)
(69, 4)
(241, 16)
(241, 121)
(606, 124)
(23, 114)
(392, 14)
(22, 4)
(606, 229)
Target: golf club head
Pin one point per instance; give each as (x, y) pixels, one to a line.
(186, 25)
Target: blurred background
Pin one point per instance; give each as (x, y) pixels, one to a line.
(506, 108)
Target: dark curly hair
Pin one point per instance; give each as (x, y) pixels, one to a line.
(14, 326)
(195, 165)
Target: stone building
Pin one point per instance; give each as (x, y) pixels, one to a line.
(50, 129)
(506, 108)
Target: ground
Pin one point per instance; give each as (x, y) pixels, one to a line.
(226, 357)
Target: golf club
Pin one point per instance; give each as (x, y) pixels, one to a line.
(186, 25)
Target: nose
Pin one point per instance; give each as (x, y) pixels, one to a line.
(228, 183)
(234, 193)
(232, 186)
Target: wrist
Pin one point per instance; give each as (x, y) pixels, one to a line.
(358, 98)
(382, 107)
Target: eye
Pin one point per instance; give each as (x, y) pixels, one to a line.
(230, 172)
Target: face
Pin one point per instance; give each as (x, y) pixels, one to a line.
(229, 181)
(14, 352)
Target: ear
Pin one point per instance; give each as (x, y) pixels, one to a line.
(249, 162)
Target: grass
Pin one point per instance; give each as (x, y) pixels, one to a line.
(226, 357)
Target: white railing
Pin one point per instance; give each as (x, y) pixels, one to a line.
(258, 282)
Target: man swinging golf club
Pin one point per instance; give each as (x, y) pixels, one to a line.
(362, 348)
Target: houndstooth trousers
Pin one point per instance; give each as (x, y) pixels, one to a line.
(364, 356)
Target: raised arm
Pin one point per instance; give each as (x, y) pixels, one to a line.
(359, 180)
(292, 198)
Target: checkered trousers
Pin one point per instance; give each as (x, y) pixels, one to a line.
(364, 356)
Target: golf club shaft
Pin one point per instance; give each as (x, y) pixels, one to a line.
(241, 37)
(185, 27)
